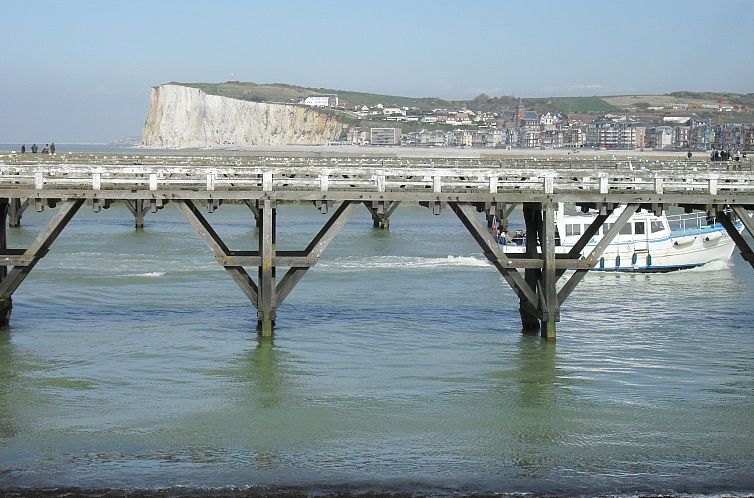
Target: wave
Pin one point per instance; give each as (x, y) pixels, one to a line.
(712, 266)
(403, 263)
(151, 274)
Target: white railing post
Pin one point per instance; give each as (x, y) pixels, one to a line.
(437, 184)
(493, 185)
(267, 181)
(211, 177)
(380, 183)
(324, 181)
(548, 183)
(604, 189)
(659, 188)
(97, 180)
(713, 184)
(152, 181)
(39, 180)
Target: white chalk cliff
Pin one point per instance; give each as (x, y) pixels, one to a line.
(181, 116)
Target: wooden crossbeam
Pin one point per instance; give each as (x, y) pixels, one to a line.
(492, 251)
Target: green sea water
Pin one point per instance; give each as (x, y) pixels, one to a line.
(132, 362)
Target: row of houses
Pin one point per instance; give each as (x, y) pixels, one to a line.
(599, 134)
(521, 128)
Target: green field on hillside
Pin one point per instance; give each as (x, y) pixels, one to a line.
(280, 92)
(582, 105)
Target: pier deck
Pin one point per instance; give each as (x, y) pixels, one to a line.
(492, 186)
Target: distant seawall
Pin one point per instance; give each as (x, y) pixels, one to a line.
(183, 117)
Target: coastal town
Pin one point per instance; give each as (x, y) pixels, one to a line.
(677, 128)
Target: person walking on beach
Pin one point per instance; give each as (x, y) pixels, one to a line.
(34, 149)
(52, 148)
(23, 149)
(46, 149)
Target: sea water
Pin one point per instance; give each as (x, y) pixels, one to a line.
(132, 362)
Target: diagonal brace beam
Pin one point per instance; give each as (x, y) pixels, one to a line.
(467, 214)
(746, 251)
(203, 228)
(315, 249)
(219, 248)
(590, 232)
(595, 254)
(328, 232)
(39, 246)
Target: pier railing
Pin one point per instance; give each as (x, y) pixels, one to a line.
(81, 180)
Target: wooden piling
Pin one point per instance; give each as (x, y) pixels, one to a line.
(15, 210)
(530, 315)
(548, 296)
(6, 304)
(267, 306)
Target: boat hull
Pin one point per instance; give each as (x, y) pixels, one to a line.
(659, 255)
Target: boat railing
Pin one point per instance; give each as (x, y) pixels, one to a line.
(690, 222)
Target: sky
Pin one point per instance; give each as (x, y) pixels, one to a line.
(80, 71)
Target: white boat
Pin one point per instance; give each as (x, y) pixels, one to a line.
(647, 243)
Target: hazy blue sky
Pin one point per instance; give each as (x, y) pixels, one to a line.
(80, 71)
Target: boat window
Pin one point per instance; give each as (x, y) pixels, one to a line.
(639, 228)
(656, 226)
(626, 229)
(573, 229)
(606, 227)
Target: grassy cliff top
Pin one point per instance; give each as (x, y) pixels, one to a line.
(698, 102)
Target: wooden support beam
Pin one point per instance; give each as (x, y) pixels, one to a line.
(267, 295)
(579, 246)
(254, 207)
(492, 251)
(550, 305)
(244, 281)
(139, 212)
(16, 209)
(34, 252)
(267, 306)
(747, 253)
(6, 305)
(292, 277)
(533, 221)
(328, 232)
(597, 251)
(746, 220)
(203, 228)
(381, 212)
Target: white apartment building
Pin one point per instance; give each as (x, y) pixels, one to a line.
(321, 100)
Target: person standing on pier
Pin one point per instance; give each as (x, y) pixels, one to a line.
(23, 149)
(52, 148)
(34, 149)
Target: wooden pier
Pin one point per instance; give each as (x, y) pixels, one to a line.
(338, 184)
